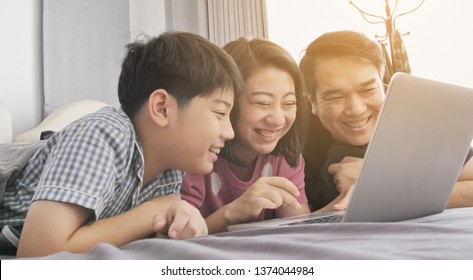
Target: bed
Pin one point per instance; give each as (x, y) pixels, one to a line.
(448, 235)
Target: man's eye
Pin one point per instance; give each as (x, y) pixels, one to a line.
(370, 91)
(334, 98)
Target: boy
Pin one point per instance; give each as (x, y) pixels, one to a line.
(114, 176)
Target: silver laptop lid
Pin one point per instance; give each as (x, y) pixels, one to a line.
(417, 151)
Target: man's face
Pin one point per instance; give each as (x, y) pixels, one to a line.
(349, 96)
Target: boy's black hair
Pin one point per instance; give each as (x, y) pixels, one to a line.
(184, 64)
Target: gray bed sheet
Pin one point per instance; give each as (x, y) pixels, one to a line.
(448, 235)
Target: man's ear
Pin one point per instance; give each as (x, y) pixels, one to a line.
(313, 104)
(158, 102)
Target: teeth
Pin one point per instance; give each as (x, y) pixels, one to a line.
(215, 150)
(265, 133)
(358, 124)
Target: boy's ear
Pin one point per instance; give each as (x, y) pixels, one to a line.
(313, 104)
(158, 102)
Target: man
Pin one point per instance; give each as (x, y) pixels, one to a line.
(343, 72)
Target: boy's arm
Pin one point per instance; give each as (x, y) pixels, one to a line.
(56, 226)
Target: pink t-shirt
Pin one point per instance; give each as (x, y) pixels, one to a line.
(221, 186)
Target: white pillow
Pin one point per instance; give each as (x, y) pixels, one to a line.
(61, 117)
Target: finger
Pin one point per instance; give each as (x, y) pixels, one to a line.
(287, 199)
(159, 222)
(178, 224)
(333, 168)
(284, 184)
(193, 227)
(264, 203)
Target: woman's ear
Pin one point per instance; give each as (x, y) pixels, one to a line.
(158, 102)
(313, 104)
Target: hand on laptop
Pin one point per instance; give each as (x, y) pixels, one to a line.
(265, 193)
(345, 172)
(339, 203)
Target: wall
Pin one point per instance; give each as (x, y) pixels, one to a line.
(20, 62)
(21, 75)
(147, 16)
(438, 46)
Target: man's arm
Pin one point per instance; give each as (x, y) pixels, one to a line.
(462, 195)
(345, 173)
(52, 226)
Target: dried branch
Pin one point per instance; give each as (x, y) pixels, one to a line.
(364, 14)
(402, 14)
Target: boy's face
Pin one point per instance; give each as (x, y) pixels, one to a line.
(204, 126)
(267, 112)
(349, 96)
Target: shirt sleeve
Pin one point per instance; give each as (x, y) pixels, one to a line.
(84, 164)
(193, 189)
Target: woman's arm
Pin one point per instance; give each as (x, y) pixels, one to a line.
(265, 193)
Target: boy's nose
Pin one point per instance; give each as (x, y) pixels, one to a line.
(227, 132)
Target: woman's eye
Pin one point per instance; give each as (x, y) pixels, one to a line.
(263, 103)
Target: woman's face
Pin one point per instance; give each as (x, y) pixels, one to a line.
(267, 112)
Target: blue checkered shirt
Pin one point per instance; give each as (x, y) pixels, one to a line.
(96, 162)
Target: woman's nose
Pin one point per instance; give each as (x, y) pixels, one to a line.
(277, 116)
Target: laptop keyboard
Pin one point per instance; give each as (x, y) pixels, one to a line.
(327, 219)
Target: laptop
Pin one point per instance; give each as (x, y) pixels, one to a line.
(421, 139)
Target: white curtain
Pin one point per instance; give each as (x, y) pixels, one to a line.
(83, 46)
(232, 19)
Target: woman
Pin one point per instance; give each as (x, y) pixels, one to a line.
(260, 173)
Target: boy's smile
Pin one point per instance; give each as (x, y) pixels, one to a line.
(203, 127)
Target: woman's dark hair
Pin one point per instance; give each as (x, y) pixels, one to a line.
(253, 55)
